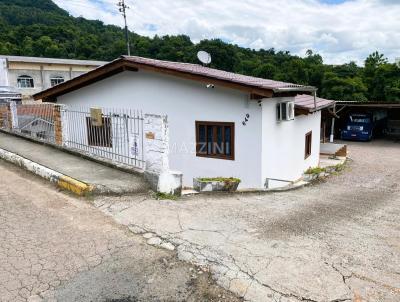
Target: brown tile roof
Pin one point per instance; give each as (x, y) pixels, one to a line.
(212, 73)
(255, 86)
(305, 101)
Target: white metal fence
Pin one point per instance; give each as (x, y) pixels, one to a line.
(112, 134)
(117, 135)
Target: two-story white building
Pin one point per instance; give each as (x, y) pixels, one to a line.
(30, 75)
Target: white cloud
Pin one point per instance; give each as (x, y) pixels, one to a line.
(340, 33)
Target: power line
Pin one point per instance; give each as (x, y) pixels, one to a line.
(122, 9)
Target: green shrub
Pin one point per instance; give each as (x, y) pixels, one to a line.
(221, 179)
(315, 170)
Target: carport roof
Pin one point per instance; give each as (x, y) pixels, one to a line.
(307, 102)
(369, 104)
(256, 86)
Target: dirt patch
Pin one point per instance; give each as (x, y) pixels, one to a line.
(319, 215)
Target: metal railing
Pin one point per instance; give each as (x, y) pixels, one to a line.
(115, 135)
(118, 136)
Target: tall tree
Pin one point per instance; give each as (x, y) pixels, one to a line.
(41, 28)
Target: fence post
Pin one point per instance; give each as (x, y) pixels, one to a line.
(12, 115)
(59, 136)
(156, 150)
(64, 125)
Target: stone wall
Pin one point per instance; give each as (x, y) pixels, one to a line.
(58, 127)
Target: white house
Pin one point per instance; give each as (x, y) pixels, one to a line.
(221, 124)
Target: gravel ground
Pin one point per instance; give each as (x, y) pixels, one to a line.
(58, 248)
(336, 240)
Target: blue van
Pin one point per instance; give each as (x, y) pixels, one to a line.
(363, 126)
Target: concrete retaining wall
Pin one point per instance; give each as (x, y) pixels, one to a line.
(61, 180)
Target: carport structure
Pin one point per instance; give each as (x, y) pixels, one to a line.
(344, 108)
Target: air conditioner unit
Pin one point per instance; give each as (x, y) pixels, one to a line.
(285, 111)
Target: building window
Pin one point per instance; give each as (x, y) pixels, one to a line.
(25, 81)
(215, 139)
(56, 80)
(99, 136)
(308, 144)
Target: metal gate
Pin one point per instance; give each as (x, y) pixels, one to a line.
(35, 121)
(115, 134)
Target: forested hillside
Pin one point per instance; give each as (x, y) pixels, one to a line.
(41, 28)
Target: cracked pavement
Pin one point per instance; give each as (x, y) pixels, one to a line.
(337, 240)
(54, 247)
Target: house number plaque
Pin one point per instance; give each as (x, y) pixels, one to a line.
(246, 119)
(150, 135)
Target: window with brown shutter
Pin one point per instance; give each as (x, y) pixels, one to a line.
(99, 136)
(308, 144)
(215, 140)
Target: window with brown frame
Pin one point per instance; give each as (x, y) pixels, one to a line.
(215, 140)
(308, 144)
(99, 136)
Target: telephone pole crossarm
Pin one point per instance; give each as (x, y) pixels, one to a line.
(122, 9)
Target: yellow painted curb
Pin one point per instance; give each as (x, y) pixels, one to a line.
(73, 185)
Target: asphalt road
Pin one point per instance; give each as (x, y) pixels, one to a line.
(54, 247)
(336, 240)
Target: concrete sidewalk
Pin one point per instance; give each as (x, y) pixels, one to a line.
(102, 178)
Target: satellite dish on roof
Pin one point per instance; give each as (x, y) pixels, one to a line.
(204, 57)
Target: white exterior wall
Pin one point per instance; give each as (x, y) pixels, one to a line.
(283, 146)
(184, 102)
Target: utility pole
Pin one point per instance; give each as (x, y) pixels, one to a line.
(122, 9)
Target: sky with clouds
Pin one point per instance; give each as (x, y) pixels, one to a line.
(339, 30)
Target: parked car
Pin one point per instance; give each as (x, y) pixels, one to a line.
(364, 126)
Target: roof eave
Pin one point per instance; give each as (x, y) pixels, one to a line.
(296, 89)
(317, 108)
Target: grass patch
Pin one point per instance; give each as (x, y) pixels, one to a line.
(315, 170)
(340, 167)
(220, 179)
(164, 196)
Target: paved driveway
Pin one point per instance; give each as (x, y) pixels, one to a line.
(58, 248)
(333, 241)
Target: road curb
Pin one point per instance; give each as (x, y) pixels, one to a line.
(62, 181)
